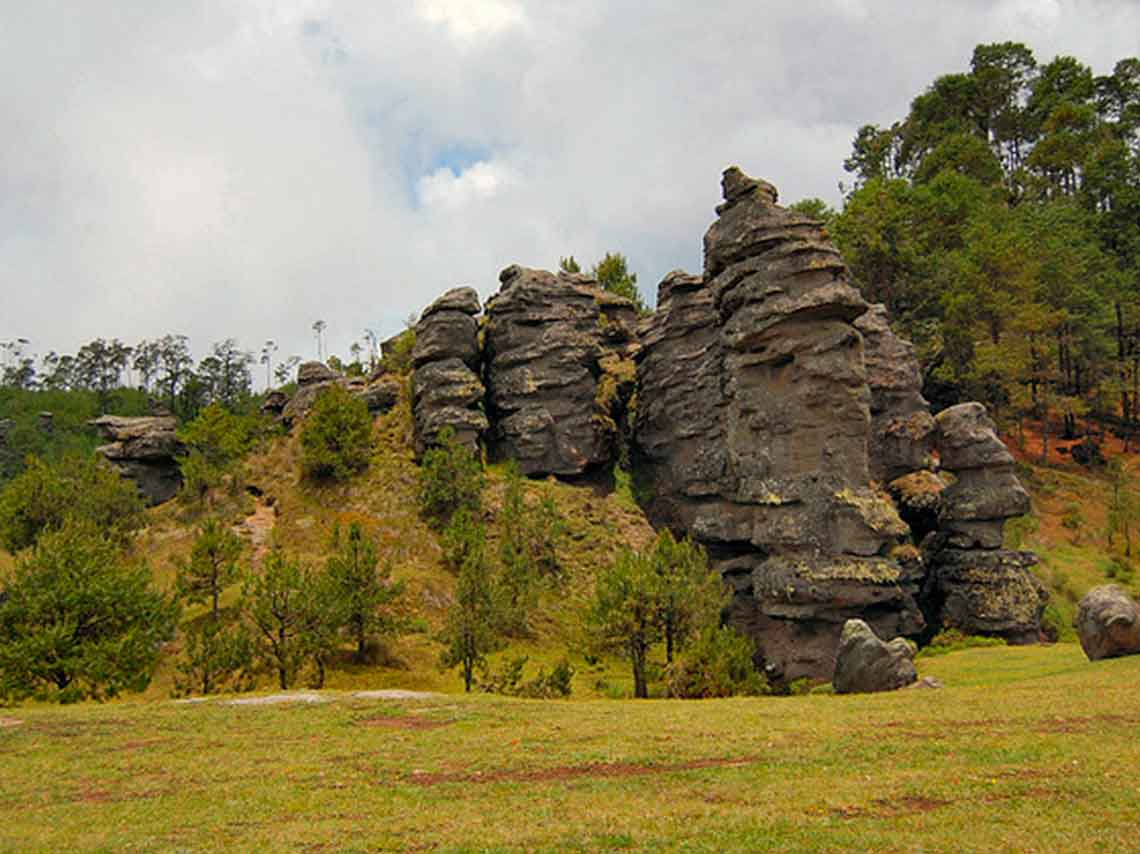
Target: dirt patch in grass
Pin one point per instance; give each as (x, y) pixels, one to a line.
(411, 723)
(892, 807)
(560, 773)
(6, 723)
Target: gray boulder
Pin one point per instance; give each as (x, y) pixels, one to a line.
(866, 664)
(144, 450)
(1108, 623)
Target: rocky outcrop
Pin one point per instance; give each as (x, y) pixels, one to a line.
(446, 390)
(752, 422)
(901, 439)
(1108, 623)
(973, 584)
(550, 341)
(866, 664)
(380, 392)
(144, 450)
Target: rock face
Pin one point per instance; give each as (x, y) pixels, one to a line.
(446, 389)
(144, 450)
(903, 431)
(974, 584)
(865, 664)
(752, 425)
(1108, 623)
(550, 340)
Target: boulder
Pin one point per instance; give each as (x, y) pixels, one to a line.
(380, 392)
(446, 390)
(315, 373)
(275, 402)
(866, 664)
(144, 450)
(1108, 623)
(548, 337)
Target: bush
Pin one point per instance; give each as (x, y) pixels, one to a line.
(79, 621)
(216, 441)
(451, 479)
(716, 663)
(953, 640)
(82, 489)
(336, 438)
(545, 686)
(368, 597)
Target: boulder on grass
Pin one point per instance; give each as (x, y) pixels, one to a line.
(1108, 623)
(865, 664)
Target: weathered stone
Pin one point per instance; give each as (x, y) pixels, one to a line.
(866, 664)
(902, 429)
(275, 402)
(752, 431)
(380, 395)
(987, 592)
(918, 497)
(1108, 623)
(968, 439)
(144, 450)
(446, 390)
(315, 373)
(546, 338)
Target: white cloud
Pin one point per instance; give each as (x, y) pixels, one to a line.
(242, 169)
(470, 18)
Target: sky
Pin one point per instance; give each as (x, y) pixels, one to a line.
(242, 168)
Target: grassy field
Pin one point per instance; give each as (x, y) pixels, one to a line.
(1025, 749)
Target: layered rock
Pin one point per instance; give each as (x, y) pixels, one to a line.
(144, 450)
(379, 392)
(973, 584)
(550, 342)
(446, 389)
(901, 440)
(865, 664)
(753, 419)
(1108, 623)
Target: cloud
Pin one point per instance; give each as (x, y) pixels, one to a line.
(243, 169)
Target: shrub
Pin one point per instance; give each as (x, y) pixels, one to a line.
(216, 441)
(368, 598)
(508, 680)
(953, 640)
(78, 621)
(451, 479)
(717, 663)
(81, 489)
(471, 630)
(212, 566)
(336, 437)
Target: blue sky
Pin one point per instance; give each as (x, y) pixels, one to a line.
(241, 169)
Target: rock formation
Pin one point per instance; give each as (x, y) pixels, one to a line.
(550, 340)
(144, 450)
(752, 427)
(1108, 623)
(446, 389)
(902, 433)
(865, 664)
(379, 392)
(973, 584)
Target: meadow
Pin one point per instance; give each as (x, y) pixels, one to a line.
(1024, 749)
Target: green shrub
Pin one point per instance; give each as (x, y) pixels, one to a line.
(336, 437)
(82, 489)
(717, 663)
(79, 621)
(451, 479)
(1054, 625)
(215, 658)
(508, 680)
(953, 640)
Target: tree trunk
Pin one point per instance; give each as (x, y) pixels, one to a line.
(640, 688)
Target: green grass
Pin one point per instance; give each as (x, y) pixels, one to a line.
(1026, 749)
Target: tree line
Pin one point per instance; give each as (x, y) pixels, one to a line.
(999, 221)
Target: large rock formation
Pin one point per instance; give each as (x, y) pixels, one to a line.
(902, 433)
(752, 424)
(973, 584)
(865, 664)
(144, 450)
(379, 392)
(1108, 623)
(446, 389)
(549, 341)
